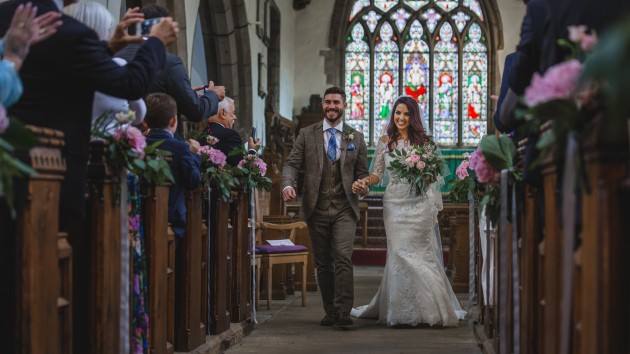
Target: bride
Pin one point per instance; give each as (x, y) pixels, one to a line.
(414, 288)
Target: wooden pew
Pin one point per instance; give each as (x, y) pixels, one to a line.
(220, 263)
(604, 284)
(190, 297)
(40, 284)
(155, 218)
(241, 294)
(98, 268)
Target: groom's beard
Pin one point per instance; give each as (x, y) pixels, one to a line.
(333, 115)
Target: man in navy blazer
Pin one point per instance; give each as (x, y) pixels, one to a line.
(185, 164)
(220, 126)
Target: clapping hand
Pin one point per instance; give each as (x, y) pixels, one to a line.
(26, 30)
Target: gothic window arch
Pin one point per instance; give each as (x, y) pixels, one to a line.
(436, 51)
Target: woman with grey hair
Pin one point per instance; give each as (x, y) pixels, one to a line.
(98, 18)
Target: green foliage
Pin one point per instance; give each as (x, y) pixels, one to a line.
(224, 178)
(499, 151)
(462, 188)
(16, 138)
(155, 168)
(608, 67)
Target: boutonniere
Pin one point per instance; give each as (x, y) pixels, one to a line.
(349, 134)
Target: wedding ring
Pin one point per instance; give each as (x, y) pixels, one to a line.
(21, 24)
(42, 31)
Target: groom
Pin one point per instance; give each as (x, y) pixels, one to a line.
(333, 156)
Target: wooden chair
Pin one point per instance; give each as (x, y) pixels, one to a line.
(267, 256)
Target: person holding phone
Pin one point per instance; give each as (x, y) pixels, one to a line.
(221, 126)
(173, 79)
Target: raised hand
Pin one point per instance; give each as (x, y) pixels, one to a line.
(25, 29)
(166, 30)
(219, 90)
(121, 38)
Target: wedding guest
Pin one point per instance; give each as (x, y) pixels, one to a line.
(185, 164)
(221, 127)
(98, 18)
(173, 80)
(60, 77)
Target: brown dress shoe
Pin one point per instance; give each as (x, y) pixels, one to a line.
(344, 319)
(329, 320)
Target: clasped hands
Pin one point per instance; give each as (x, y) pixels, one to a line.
(361, 186)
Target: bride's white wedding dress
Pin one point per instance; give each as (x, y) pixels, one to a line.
(414, 288)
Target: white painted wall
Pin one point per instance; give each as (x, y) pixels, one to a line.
(257, 46)
(312, 26)
(287, 55)
(192, 10)
(512, 14)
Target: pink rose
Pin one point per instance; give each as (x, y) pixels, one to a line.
(134, 137)
(204, 150)
(559, 82)
(412, 160)
(420, 165)
(462, 170)
(588, 42)
(576, 33)
(4, 120)
(242, 163)
(485, 173)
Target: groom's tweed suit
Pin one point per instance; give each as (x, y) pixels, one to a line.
(329, 207)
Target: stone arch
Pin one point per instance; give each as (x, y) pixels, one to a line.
(226, 42)
(339, 27)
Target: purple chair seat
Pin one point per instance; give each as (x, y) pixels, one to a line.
(268, 249)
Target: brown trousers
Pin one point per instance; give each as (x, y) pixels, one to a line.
(332, 234)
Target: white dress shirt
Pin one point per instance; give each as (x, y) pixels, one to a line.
(338, 134)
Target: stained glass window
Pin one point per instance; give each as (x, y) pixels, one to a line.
(475, 78)
(385, 77)
(358, 80)
(435, 51)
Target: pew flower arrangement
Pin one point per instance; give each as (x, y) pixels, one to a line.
(494, 154)
(559, 96)
(420, 165)
(14, 137)
(127, 149)
(465, 183)
(215, 171)
(253, 169)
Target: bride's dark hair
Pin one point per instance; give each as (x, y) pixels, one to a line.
(417, 135)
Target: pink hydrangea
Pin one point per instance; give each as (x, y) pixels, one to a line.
(462, 170)
(421, 165)
(4, 120)
(559, 82)
(485, 173)
(262, 166)
(134, 137)
(217, 157)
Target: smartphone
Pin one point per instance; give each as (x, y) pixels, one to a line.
(254, 133)
(143, 28)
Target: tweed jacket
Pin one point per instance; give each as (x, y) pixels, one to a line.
(308, 155)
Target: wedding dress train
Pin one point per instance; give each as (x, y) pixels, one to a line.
(414, 288)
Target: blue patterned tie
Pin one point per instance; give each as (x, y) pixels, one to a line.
(332, 145)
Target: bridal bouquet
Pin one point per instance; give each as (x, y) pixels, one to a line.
(418, 165)
(214, 170)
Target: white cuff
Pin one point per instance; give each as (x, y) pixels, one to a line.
(286, 188)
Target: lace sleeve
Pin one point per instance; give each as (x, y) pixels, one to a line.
(378, 163)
